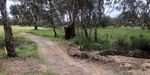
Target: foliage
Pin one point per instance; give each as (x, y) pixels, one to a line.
(140, 42)
(123, 43)
(134, 42)
(90, 45)
(2, 72)
(47, 33)
(49, 72)
(24, 47)
(105, 21)
(27, 49)
(107, 36)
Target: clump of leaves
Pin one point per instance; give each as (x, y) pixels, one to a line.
(133, 42)
(123, 43)
(140, 42)
(90, 45)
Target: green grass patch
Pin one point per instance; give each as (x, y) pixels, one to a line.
(90, 45)
(49, 72)
(2, 72)
(126, 38)
(115, 33)
(49, 34)
(24, 47)
(133, 42)
(106, 36)
(27, 49)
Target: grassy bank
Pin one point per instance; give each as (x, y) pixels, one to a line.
(124, 39)
(111, 41)
(24, 47)
(111, 34)
(2, 72)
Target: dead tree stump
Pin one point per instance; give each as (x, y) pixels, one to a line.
(69, 32)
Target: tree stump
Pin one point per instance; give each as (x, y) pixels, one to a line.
(69, 32)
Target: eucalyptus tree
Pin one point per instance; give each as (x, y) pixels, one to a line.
(146, 14)
(134, 12)
(71, 6)
(8, 30)
(17, 12)
(85, 12)
(99, 10)
(52, 12)
(33, 8)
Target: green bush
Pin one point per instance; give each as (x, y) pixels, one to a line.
(133, 42)
(90, 45)
(123, 43)
(140, 42)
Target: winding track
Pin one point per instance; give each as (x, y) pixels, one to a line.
(61, 63)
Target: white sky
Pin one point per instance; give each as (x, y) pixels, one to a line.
(115, 13)
(9, 3)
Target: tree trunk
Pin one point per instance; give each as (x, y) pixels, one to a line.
(70, 30)
(89, 22)
(8, 30)
(55, 33)
(86, 32)
(84, 26)
(95, 34)
(85, 29)
(35, 26)
(34, 19)
(53, 24)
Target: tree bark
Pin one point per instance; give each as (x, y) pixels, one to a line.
(95, 34)
(8, 30)
(35, 26)
(84, 26)
(53, 24)
(55, 33)
(34, 18)
(70, 30)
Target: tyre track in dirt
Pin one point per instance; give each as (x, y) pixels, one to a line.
(60, 62)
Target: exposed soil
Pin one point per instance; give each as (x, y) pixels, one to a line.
(66, 60)
(59, 61)
(29, 66)
(120, 65)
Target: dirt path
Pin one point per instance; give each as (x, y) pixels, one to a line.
(29, 66)
(60, 62)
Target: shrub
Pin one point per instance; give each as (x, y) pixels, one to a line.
(123, 43)
(140, 42)
(90, 45)
(133, 42)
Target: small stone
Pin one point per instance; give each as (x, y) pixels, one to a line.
(96, 57)
(78, 47)
(84, 55)
(127, 65)
(146, 65)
